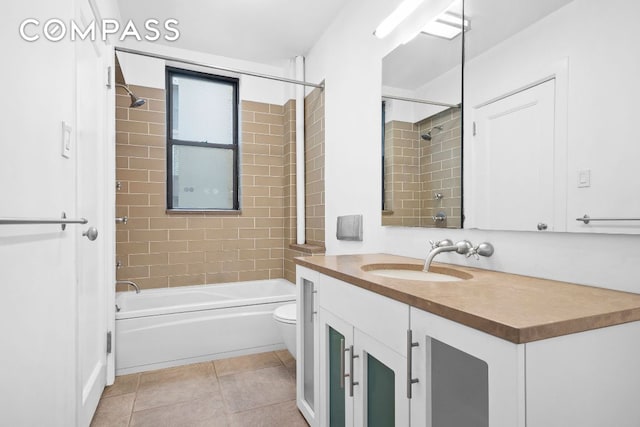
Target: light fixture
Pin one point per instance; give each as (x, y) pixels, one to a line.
(448, 25)
(400, 13)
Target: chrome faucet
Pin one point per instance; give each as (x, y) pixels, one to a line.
(130, 283)
(483, 249)
(462, 247)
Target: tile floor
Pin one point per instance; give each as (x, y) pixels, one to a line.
(254, 390)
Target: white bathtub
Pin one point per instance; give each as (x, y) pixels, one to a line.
(160, 328)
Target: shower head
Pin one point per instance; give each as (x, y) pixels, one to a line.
(427, 136)
(135, 101)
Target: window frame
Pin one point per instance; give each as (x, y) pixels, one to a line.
(171, 142)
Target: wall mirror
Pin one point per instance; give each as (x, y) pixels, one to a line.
(550, 103)
(421, 122)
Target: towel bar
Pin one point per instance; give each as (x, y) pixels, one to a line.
(63, 221)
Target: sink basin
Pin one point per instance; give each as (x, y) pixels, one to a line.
(414, 272)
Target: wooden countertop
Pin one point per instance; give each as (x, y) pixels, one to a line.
(516, 308)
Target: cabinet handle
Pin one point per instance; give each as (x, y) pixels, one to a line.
(342, 374)
(410, 345)
(313, 303)
(351, 381)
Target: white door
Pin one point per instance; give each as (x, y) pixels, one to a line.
(338, 371)
(465, 377)
(91, 254)
(381, 397)
(308, 345)
(513, 162)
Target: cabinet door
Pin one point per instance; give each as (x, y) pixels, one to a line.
(381, 375)
(336, 371)
(465, 377)
(307, 345)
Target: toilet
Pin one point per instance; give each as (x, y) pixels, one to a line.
(285, 317)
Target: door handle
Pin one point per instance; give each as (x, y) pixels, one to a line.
(313, 311)
(410, 344)
(91, 233)
(352, 383)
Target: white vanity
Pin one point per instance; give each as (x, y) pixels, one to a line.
(493, 349)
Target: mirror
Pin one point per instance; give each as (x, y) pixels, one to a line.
(421, 122)
(550, 105)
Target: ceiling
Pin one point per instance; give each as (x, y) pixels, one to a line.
(255, 30)
(426, 57)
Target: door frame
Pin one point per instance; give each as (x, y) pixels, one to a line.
(105, 192)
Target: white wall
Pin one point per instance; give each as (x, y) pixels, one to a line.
(146, 71)
(37, 267)
(349, 57)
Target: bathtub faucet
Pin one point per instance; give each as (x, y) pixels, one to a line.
(130, 283)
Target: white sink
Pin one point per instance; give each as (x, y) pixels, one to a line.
(414, 272)
(426, 276)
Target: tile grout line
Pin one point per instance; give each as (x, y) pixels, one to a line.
(135, 397)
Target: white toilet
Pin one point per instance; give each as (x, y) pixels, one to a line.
(285, 317)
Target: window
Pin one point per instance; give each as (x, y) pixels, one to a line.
(202, 141)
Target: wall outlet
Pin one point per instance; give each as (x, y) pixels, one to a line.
(66, 140)
(584, 178)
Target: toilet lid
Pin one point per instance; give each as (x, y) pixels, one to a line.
(285, 313)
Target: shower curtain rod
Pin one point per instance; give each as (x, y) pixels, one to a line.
(215, 67)
(421, 101)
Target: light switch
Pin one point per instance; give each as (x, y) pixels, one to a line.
(66, 140)
(584, 178)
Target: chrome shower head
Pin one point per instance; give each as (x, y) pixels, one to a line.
(135, 101)
(427, 136)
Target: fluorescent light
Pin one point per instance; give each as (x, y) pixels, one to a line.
(401, 12)
(441, 29)
(448, 25)
(451, 18)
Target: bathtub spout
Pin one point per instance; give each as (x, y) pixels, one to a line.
(130, 283)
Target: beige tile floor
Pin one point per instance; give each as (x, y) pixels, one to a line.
(256, 390)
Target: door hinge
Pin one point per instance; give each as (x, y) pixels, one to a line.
(108, 342)
(474, 129)
(108, 77)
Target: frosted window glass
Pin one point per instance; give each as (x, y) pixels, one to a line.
(202, 110)
(307, 325)
(336, 393)
(381, 391)
(459, 388)
(202, 177)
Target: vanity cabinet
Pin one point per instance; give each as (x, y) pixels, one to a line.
(357, 354)
(365, 359)
(465, 377)
(363, 364)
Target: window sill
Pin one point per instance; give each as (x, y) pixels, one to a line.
(307, 248)
(204, 211)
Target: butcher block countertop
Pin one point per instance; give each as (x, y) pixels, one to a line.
(516, 308)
